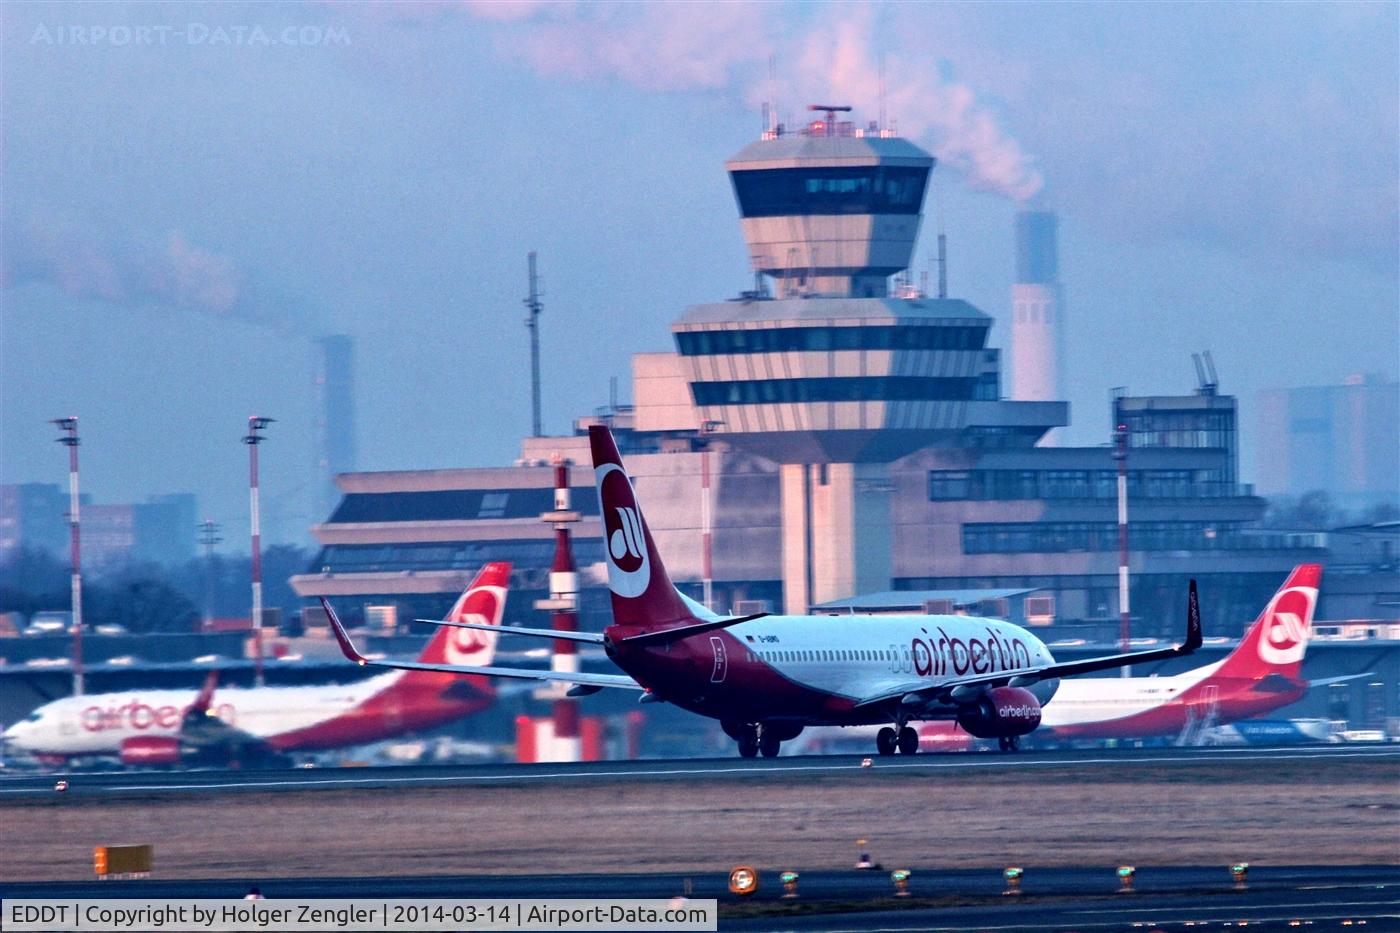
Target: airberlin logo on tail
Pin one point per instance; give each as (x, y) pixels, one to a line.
(1285, 635)
(629, 567)
(465, 645)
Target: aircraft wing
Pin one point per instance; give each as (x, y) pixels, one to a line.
(590, 638)
(589, 682)
(920, 693)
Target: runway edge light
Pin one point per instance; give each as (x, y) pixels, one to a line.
(1013, 880)
(900, 877)
(743, 880)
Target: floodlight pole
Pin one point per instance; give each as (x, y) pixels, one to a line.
(253, 439)
(1120, 453)
(69, 427)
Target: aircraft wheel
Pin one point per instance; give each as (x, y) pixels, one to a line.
(1013, 744)
(1001, 744)
(770, 745)
(884, 741)
(908, 741)
(748, 743)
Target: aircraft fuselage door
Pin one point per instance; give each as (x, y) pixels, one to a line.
(721, 660)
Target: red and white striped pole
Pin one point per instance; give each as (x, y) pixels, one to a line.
(1121, 455)
(69, 427)
(563, 600)
(253, 439)
(707, 575)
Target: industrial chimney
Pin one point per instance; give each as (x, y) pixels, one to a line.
(336, 419)
(1037, 312)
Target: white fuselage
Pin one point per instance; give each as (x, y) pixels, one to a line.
(1104, 699)
(821, 669)
(98, 723)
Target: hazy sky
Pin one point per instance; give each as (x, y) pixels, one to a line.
(192, 193)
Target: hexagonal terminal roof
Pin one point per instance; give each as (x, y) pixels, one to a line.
(798, 150)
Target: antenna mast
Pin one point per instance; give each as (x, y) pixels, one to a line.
(532, 323)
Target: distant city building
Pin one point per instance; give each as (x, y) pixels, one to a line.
(856, 442)
(1343, 440)
(335, 422)
(33, 515)
(160, 530)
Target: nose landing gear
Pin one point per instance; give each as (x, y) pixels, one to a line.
(905, 741)
(1012, 744)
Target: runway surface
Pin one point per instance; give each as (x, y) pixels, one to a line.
(206, 782)
(1054, 899)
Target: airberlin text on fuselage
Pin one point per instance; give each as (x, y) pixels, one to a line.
(134, 714)
(944, 654)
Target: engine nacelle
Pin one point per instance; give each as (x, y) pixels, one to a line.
(1001, 712)
(150, 750)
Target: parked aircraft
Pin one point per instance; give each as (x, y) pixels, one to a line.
(240, 725)
(766, 677)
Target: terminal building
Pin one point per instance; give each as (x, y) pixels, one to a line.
(836, 433)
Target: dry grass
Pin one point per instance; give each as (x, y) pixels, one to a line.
(1341, 811)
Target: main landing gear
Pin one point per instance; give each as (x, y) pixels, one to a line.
(1012, 744)
(756, 738)
(906, 740)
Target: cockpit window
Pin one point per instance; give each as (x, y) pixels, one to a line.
(34, 716)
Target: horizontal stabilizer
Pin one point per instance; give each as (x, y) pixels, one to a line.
(1329, 681)
(591, 638)
(685, 631)
(347, 647)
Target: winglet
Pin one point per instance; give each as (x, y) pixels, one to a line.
(1193, 621)
(347, 647)
(205, 697)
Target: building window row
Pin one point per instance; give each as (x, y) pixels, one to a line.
(847, 389)
(1002, 485)
(873, 337)
(452, 505)
(1060, 537)
(864, 190)
(446, 555)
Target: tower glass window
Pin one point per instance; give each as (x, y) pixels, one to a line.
(866, 190)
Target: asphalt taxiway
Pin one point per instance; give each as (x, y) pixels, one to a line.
(232, 782)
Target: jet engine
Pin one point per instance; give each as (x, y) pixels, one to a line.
(1001, 712)
(150, 750)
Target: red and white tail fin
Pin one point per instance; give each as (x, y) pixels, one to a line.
(642, 592)
(483, 602)
(1278, 639)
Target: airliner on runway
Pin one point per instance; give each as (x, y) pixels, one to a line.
(236, 725)
(766, 677)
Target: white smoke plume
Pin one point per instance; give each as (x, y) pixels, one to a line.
(727, 47)
(167, 272)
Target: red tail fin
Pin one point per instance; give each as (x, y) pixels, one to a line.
(483, 602)
(642, 593)
(1278, 639)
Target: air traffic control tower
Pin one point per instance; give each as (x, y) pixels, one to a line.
(825, 371)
